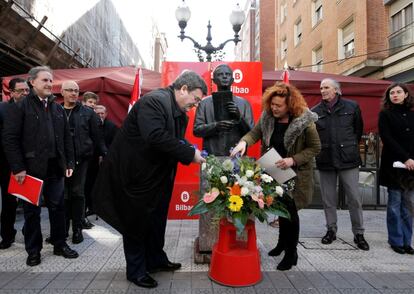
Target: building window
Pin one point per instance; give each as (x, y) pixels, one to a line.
(402, 18)
(283, 12)
(317, 12)
(346, 41)
(297, 31)
(317, 59)
(283, 48)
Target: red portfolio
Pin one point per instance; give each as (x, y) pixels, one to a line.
(29, 191)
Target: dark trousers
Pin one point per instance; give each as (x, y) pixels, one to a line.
(289, 229)
(53, 196)
(92, 173)
(8, 211)
(75, 196)
(148, 253)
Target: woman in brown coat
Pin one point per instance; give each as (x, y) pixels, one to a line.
(287, 125)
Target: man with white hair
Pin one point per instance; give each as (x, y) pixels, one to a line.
(340, 129)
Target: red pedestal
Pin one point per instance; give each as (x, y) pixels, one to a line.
(235, 263)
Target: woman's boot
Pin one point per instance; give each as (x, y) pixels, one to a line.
(281, 243)
(290, 259)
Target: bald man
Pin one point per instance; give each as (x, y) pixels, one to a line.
(85, 135)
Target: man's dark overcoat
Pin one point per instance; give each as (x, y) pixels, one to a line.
(139, 170)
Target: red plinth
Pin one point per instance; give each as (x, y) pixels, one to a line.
(235, 263)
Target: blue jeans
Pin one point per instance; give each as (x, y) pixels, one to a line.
(399, 219)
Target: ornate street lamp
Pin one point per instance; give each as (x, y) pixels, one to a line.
(183, 14)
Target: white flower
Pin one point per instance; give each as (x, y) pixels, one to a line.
(223, 179)
(279, 190)
(244, 191)
(266, 178)
(257, 189)
(242, 181)
(228, 165)
(249, 173)
(249, 185)
(203, 166)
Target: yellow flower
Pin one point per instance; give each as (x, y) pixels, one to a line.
(236, 203)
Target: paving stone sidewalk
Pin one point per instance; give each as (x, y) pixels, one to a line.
(336, 268)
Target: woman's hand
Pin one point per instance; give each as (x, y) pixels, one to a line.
(285, 163)
(409, 164)
(240, 148)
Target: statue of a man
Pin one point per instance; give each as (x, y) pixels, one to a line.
(219, 136)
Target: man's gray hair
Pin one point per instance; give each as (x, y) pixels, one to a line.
(192, 80)
(335, 84)
(33, 72)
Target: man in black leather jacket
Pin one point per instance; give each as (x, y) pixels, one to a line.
(340, 129)
(86, 135)
(37, 142)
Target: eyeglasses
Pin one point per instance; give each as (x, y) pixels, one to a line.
(72, 90)
(19, 91)
(197, 99)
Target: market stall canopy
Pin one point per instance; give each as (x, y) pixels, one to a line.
(112, 84)
(367, 92)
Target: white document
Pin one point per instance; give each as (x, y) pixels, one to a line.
(268, 163)
(398, 164)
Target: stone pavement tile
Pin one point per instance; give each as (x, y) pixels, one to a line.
(318, 280)
(182, 276)
(37, 284)
(299, 280)
(20, 291)
(201, 291)
(358, 291)
(355, 280)
(407, 278)
(328, 291)
(337, 280)
(116, 291)
(119, 285)
(94, 291)
(392, 281)
(60, 291)
(199, 276)
(245, 290)
(308, 291)
(16, 284)
(98, 284)
(201, 284)
(89, 276)
(264, 283)
(284, 291)
(78, 284)
(46, 275)
(105, 275)
(181, 284)
(66, 276)
(397, 291)
(280, 280)
(224, 290)
(58, 284)
(6, 277)
(374, 280)
(180, 291)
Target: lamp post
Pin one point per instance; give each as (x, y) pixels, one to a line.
(183, 14)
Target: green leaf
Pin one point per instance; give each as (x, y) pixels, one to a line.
(279, 211)
(240, 220)
(199, 208)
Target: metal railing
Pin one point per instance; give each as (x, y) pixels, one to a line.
(401, 39)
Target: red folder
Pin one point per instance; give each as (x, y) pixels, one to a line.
(29, 191)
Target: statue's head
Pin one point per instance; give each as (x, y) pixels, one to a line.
(223, 77)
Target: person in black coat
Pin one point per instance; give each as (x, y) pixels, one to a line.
(396, 129)
(135, 182)
(37, 142)
(18, 89)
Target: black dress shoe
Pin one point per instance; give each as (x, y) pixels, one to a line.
(65, 251)
(77, 236)
(6, 244)
(398, 249)
(408, 249)
(168, 267)
(86, 224)
(361, 243)
(146, 282)
(329, 237)
(33, 259)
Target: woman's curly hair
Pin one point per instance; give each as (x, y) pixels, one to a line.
(295, 102)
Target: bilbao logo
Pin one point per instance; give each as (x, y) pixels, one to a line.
(237, 76)
(185, 196)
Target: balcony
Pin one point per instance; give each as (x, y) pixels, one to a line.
(401, 39)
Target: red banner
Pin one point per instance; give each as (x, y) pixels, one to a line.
(247, 84)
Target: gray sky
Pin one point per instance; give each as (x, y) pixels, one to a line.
(137, 17)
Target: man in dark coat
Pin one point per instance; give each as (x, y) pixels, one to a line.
(134, 185)
(37, 142)
(340, 129)
(18, 89)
